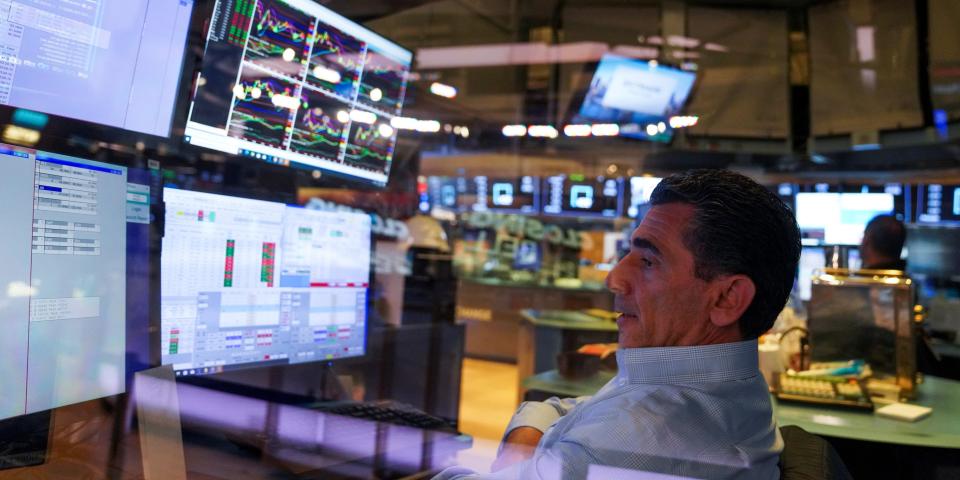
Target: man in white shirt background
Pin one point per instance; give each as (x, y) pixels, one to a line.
(710, 267)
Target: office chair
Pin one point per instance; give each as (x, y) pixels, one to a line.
(808, 457)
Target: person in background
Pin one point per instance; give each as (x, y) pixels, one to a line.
(882, 244)
(710, 267)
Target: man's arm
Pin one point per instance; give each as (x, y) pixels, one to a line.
(527, 427)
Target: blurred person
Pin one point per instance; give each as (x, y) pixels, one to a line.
(882, 244)
(710, 267)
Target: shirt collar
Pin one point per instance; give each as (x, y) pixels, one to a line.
(702, 363)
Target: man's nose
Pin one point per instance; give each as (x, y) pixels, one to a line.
(617, 282)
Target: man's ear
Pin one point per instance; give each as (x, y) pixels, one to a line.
(736, 293)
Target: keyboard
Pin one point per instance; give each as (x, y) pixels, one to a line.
(387, 412)
(837, 392)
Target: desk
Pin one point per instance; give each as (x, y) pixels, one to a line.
(546, 333)
(941, 429)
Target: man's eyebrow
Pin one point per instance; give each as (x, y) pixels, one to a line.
(639, 242)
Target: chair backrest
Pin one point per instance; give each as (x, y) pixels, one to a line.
(808, 457)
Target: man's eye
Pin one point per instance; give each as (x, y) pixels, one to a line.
(645, 262)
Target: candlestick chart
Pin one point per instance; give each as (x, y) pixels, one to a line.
(335, 61)
(383, 83)
(317, 131)
(368, 148)
(279, 38)
(256, 115)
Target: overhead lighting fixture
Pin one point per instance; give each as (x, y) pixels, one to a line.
(605, 129)
(290, 103)
(428, 126)
(514, 130)
(404, 123)
(577, 130)
(20, 135)
(542, 131)
(326, 74)
(385, 130)
(683, 121)
(465, 132)
(361, 116)
(652, 130)
(661, 127)
(443, 90)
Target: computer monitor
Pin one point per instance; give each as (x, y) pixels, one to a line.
(502, 194)
(811, 258)
(576, 195)
(292, 82)
(248, 283)
(932, 251)
(938, 204)
(112, 63)
(640, 190)
(442, 193)
(636, 93)
(838, 218)
(63, 300)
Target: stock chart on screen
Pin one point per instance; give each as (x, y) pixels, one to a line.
(292, 82)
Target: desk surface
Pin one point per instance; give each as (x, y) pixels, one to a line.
(568, 320)
(940, 429)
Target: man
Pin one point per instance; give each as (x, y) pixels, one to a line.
(710, 267)
(882, 244)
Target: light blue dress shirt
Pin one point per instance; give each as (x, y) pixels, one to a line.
(690, 412)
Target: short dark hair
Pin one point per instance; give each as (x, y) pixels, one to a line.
(738, 227)
(887, 235)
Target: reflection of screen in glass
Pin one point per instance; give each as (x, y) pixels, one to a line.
(576, 195)
(811, 258)
(251, 283)
(63, 295)
(501, 194)
(839, 218)
(640, 190)
(630, 91)
(112, 63)
(294, 83)
(939, 204)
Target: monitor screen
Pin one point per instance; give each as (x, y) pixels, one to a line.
(811, 258)
(507, 195)
(575, 195)
(640, 190)
(293, 83)
(838, 218)
(63, 301)
(252, 283)
(638, 93)
(442, 192)
(938, 204)
(113, 63)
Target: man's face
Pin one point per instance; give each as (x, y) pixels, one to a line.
(662, 301)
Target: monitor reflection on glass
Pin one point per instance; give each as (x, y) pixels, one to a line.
(249, 283)
(839, 218)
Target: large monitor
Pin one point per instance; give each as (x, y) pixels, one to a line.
(252, 283)
(576, 195)
(293, 83)
(938, 204)
(115, 63)
(637, 93)
(63, 295)
(838, 218)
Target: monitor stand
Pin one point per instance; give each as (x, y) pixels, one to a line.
(24, 440)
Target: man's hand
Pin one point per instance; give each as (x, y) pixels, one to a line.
(517, 447)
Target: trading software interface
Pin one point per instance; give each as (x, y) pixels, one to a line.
(293, 83)
(63, 296)
(116, 63)
(247, 282)
(579, 196)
